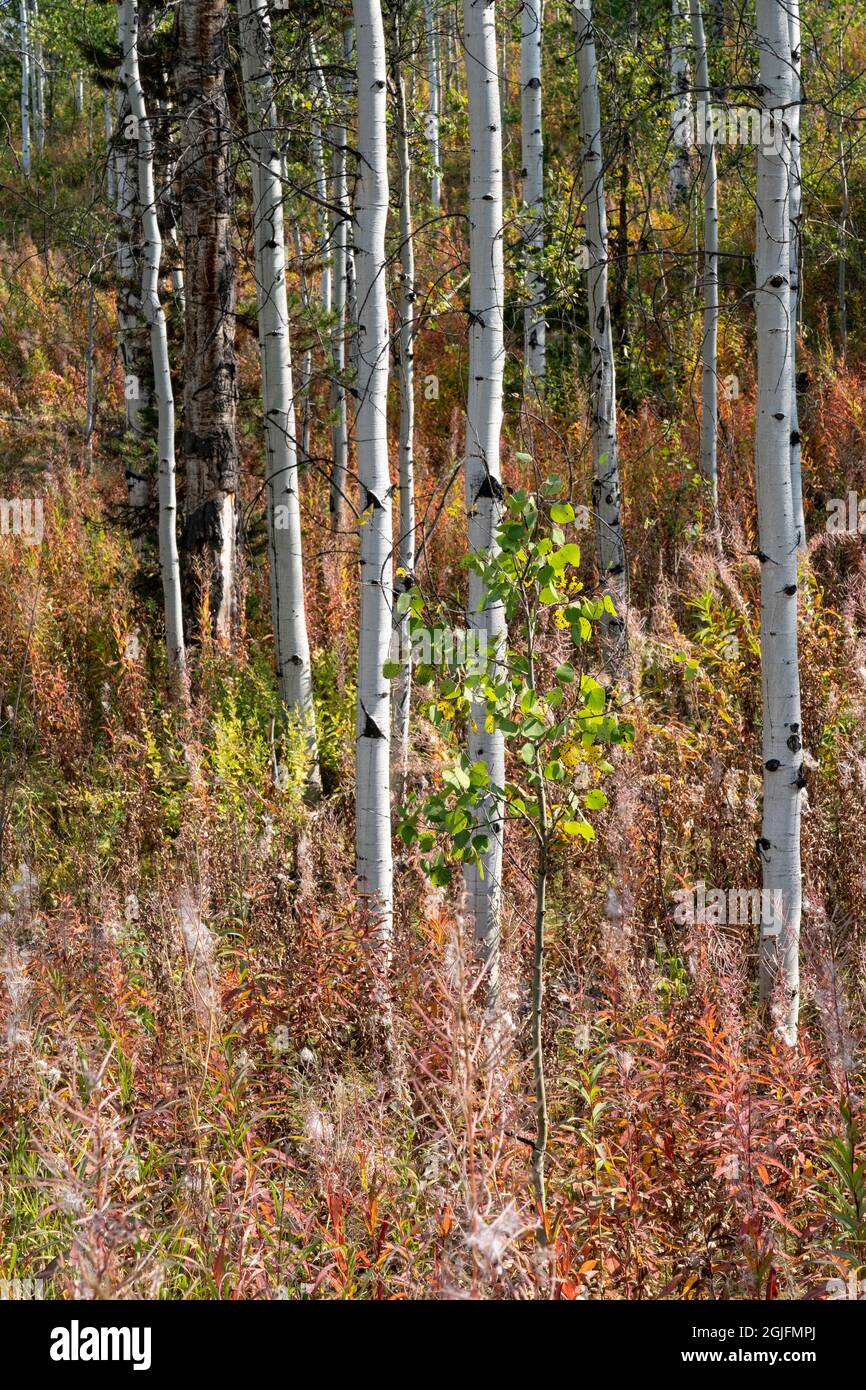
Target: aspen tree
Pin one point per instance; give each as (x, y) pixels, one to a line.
(483, 483)
(434, 99)
(153, 312)
(402, 690)
(678, 184)
(372, 794)
(796, 211)
(292, 648)
(321, 96)
(532, 141)
(37, 77)
(24, 38)
(606, 493)
(777, 533)
(341, 277)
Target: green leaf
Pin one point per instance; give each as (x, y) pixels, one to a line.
(595, 799)
(579, 827)
(562, 512)
(565, 672)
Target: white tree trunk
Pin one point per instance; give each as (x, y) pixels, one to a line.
(340, 293)
(37, 78)
(152, 253)
(606, 494)
(796, 210)
(483, 427)
(79, 94)
(373, 819)
(24, 31)
(402, 691)
(678, 186)
(534, 327)
(782, 729)
(307, 359)
(434, 100)
(320, 91)
(709, 349)
(292, 648)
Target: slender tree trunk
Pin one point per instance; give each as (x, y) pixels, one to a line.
(168, 209)
(307, 359)
(152, 253)
(483, 486)
(90, 371)
(434, 100)
(292, 647)
(678, 186)
(24, 32)
(133, 331)
(796, 210)
(37, 77)
(402, 691)
(606, 493)
(534, 327)
(212, 504)
(78, 94)
(373, 818)
(782, 736)
(709, 350)
(340, 242)
(320, 93)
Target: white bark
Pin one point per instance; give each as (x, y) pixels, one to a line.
(153, 312)
(796, 211)
(402, 691)
(320, 91)
(483, 428)
(373, 819)
(24, 31)
(79, 94)
(678, 186)
(292, 648)
(709, 349)
(340, 295)
(37, 78)
(606, 494)
(782, 729)
(434, 100)
(534, 327)
(307, 359)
